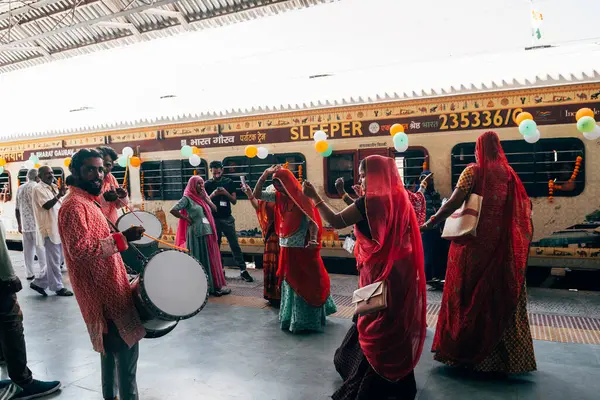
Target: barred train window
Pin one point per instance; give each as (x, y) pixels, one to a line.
(5, 186)
(344, 164)
(166, 180)
(252, 168)
(536, 164)
(22, 176)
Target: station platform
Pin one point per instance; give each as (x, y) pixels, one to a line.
(234, 349)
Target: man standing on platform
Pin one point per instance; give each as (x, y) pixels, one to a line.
(46, 203)
(26, 221)
(99, 278)
(222, 193)
(12, 341)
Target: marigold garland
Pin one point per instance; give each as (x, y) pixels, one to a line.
(552, 186)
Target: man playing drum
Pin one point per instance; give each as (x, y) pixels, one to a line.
(99, 278)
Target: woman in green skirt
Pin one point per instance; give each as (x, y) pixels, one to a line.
(197, 232)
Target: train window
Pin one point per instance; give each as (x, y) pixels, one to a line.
(59, 174)
(119, 173)
(344, 164)
(536, 164)
(166, 180)
(341, 164)
(5, 187)
(22, 176)
(252, 168)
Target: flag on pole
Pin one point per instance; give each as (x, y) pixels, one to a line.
(536, 22)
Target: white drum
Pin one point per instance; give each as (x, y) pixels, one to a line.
(172, 286)
(150, 223)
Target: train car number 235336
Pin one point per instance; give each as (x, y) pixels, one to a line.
(477, 119)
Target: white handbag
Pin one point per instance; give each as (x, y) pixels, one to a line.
(464, 221)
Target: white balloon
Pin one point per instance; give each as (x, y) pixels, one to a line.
(29, 164)
(593, 135)
(263, 152)
(320, 135)
(194, 160)
(128, 151)
(532, 138)
(402, 148)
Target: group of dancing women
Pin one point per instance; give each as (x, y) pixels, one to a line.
(482, 325)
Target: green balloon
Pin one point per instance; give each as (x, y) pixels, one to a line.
(187, 151)
(327, 152)
(586, 124)
(1, 170)
(34, 158)
(122, 161)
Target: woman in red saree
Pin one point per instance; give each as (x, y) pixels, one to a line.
(483, 322)
(265, 212)
(378, 355)
(305, 296)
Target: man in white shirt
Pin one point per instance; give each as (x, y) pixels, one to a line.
(46, 203)
(26, 221)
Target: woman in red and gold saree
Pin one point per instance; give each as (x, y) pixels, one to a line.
(265, 212)
(483, 322)
(380, 351)
(305, 285)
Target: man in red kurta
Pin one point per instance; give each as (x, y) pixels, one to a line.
(99, 278)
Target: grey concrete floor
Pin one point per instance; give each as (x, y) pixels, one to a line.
(229, 352)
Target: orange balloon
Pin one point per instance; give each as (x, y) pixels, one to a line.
(2, 162)
(321, 146)
(135, 161)
(36, 166)
(196, 150)
(523, 117)
(67, 162)
(584, 112)
(396, 128)
(251, 151)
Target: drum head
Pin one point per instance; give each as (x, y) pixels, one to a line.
(151, 224)
(175, 283)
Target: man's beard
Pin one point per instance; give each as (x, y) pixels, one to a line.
(92, 187)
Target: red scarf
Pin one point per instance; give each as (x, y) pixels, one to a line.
(214, 254)
(301, 268)
(486, 274)
(392, 340)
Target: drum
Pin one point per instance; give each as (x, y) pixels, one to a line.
(133, 259)
(151, 224)
(172, 286)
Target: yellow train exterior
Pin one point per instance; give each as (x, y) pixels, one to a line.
(444, 129)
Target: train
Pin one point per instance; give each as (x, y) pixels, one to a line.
(442, 131)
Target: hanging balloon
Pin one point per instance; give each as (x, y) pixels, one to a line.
(128, 151)
(135, 161)
(262, 152)
(122, 161)
(584, 112)
(319, 135)
(195, 160)
(327, 152)
(2, 162)
(34, 159)
(586, 124)
(196, 150)
(67, 162)
(593, 135)
(527, 127)
(251, 151)
(532, 138)
(401, 142)
(321, 146)
(523, 116)
(396, 128)
(36, 166)
(29, 164)
(187, 151)
(1, 170)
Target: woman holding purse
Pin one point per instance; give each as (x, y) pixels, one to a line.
(380, 351)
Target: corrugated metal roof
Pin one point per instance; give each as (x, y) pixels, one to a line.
(38, 31)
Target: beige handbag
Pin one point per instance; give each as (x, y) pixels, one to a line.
(370, 299)
(464, 221)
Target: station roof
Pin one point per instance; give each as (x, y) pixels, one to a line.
(38, 31)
